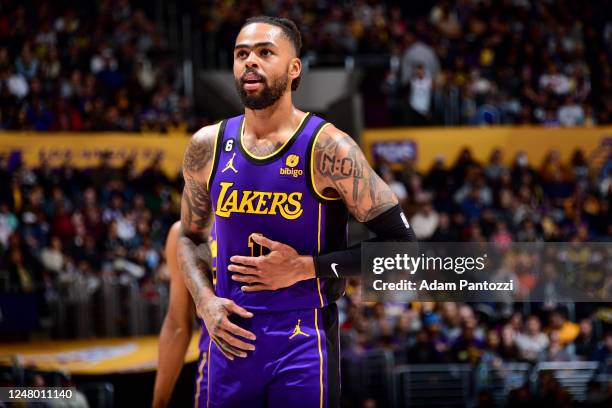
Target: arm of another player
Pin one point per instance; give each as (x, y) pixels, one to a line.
(341, 171)
(194, 253)
(177, 328)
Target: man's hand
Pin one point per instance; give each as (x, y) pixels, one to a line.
(215, 311)
(281, 268)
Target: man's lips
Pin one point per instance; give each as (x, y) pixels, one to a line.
(251, 77)
(251, 81)
(251, 85)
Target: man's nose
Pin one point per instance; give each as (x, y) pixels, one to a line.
(251, 60)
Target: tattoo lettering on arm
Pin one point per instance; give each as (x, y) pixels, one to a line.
(340, 165)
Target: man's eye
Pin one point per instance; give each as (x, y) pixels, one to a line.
(266, 52)
(241, 54)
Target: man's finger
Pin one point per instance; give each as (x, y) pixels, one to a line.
(237, 330)
(221, 341)
(222, 349)
(244, 278)
(266, 242)
(230, 350)
(245, 270)
(255, 288)
(236, 342)
(245, 260)
(240, 311)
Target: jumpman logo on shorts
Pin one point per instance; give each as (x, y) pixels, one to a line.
(230, 164)
(297, 331)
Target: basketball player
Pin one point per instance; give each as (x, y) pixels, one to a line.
(176, 331)
(280, 183)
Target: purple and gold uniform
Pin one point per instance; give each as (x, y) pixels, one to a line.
(296, 360)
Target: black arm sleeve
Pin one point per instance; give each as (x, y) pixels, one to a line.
(390, 226)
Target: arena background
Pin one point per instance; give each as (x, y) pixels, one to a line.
(489, 119)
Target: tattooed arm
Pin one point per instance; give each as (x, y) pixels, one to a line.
(341, 170)
(194, 254)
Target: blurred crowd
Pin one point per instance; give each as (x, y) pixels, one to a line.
(100, 66)
(453, 62)
(486, 338)
(472, 201)
(106, 66)
(451, 332)
(63, 230)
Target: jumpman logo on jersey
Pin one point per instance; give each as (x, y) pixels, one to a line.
(230, 164)
(297, 331)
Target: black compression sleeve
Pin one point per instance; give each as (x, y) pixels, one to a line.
(390, 226)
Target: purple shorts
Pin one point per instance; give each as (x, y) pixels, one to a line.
(296, 364)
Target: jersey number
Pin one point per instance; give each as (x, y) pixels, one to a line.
(256, 249)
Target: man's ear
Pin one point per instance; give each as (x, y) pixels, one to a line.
(295, 68)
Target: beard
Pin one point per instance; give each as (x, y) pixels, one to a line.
(267, 96)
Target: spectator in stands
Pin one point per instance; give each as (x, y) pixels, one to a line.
(444, 231)
(496, 167)
(434, 325)
(491, 356)
(8, 224)
(508, 349)
(451, 327)
(567, 331)
(22, 279)
(549, 288)
(420, 87)
(424, 351)
(571, 113)
(425, 222)
(467, 348)
(556, 351)
(603, 354)
(417, 53)
(532, 342)
(407, 325)
(398, 188)
(52, 257)
(586, 342)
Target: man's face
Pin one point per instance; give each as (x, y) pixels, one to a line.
(419, 72)
(265, 62)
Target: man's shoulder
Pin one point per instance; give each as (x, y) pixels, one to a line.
(206, 134)
(200, 149)
(332, 136)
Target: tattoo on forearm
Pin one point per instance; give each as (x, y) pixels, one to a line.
(195, 262)
(197, 206)
(341, 161)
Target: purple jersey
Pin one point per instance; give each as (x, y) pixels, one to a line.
(274, 196)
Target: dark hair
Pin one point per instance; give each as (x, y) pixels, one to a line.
(289, 30)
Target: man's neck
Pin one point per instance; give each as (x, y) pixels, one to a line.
(274, 120)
